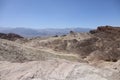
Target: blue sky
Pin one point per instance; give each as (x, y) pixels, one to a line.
(59, 13)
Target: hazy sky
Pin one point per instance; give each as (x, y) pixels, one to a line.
(59, 13)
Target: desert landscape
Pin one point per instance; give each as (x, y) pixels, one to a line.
(93, 55)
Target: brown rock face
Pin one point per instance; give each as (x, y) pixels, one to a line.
(106, 29)
(10, 36)
(108, 42)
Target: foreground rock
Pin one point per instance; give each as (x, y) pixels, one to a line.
(55, 70)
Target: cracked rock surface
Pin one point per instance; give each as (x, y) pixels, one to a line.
(56, 69)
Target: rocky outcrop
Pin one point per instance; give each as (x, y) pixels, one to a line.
(10, 36)
(108, 43)
(107, 32)
(107, 29)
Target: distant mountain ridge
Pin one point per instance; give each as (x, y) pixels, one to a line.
(28, 32)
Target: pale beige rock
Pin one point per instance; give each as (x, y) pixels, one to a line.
(56, 69)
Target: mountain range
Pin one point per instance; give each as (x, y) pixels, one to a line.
(28, 32)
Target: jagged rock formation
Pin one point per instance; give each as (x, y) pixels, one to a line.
(107, 32)
(106, 29)
(10, 36)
